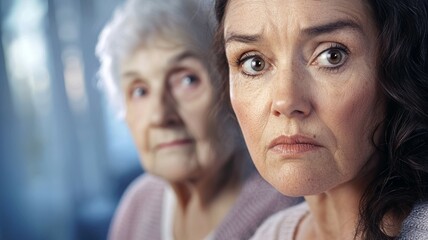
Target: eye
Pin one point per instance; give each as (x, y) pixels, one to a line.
(184, 80)
(184, 84)
(138, 92)
(253, 65)
(189, 80)
(333, 57)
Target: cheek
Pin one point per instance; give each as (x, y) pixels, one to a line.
(132, 126)
(361, 114)
(242, 107)
(137, 126)
(195, 115)
(249, 106)
(137, 139)
(354, 124)
(245, 119)
(196, 125)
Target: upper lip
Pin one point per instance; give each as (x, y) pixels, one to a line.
(292, 140)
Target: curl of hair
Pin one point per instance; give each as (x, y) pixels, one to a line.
(403, 76)
(221, 59)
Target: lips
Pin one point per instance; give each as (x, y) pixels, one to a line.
(174, 143)
(293, 146)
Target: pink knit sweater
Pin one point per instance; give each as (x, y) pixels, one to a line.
(139, 215)
(283, 224)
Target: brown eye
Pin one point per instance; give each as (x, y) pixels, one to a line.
(257, 64)
(253, 65)
(331, 58)
(334, 56)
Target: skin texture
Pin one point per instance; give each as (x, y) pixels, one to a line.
(169, 98)
(306, 71)
(169, 126)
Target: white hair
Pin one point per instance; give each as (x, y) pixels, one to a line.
(139, 22)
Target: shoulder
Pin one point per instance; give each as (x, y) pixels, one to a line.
(145, 183)
(415, 226)
(283, 224)
(257, 201)
(140, 205)
(144, 189)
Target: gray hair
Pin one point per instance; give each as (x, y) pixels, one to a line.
(140, 22)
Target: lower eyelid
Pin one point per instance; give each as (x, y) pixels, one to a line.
(335, 69)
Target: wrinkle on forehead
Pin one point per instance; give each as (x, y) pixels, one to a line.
(245, 9)
(278, 17)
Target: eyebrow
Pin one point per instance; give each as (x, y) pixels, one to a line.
(181, 56)
(311, 31)
(332, 27)
(129, 74)
(233, 37)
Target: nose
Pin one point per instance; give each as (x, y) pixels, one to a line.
(164, 110)
(291, 94)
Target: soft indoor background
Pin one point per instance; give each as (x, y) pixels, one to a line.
(64, 157)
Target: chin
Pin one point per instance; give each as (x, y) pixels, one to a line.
(179, 175)
(174, 177)
(300, 184)
(297, 192)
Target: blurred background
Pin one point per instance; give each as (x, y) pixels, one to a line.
(65, 159)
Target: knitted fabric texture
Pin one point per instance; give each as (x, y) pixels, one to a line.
(139, 215)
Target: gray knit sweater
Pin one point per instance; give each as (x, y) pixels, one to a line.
(282, 225)
(416, 224)
(140, 210)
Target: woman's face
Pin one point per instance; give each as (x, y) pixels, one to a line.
(303, 86)
(168, 100)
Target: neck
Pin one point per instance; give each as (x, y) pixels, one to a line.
(210, 184)
(202, 204)
(206, 188)
(334, 214)
(332, 217)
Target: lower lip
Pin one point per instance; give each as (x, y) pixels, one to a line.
(175, 143)
(293, 150)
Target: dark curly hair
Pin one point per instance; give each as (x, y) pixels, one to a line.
(402, 180)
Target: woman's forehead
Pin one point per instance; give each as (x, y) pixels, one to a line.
(257, 15)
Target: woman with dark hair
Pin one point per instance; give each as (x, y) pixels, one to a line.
(332, 99)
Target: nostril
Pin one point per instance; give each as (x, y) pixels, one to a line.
(172, 119)
(278, 107)
(171, 122)
(276, 113)
(299, 112)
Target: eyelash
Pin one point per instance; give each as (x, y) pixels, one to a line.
(243, 58)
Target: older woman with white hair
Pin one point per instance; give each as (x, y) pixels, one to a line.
(157, 70)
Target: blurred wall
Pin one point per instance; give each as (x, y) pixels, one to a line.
(64, 157)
